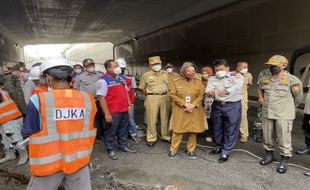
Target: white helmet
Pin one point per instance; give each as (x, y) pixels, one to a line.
(54, 62)
(34, 73)
(121, 62)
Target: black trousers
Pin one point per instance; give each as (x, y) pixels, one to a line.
(306, 128)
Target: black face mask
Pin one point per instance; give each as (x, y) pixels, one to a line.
(274, 69)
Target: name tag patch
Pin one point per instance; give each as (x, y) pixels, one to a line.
(69, 114)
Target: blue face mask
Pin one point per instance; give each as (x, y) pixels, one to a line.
(274, 69)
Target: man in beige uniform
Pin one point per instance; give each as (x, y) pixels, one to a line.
(242, 68)
(281, 92)
(154, 85)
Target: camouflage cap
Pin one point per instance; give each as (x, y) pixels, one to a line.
(277, 60)
(10, 67)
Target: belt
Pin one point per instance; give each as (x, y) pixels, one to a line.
(223, 103)
(157, 93)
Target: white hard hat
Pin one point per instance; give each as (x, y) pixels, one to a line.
(34, 73)
(54, 62)
(121, 62)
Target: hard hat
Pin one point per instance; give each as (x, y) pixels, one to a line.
(34, 73)
(121, 62)
(277, 60)
(154, 60)
(54, 62)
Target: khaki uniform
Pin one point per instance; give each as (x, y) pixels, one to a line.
(13, 86)
(278, 111)
(183, 122)
(247, 81)
(155, 86)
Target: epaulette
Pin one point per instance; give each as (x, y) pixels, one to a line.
(175, 79)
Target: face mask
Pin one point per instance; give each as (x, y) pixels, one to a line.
(169, 70)
(156, 67)
(91, 69)
(221, 74)
(117, 71)
(126, 72)
(244, 71)
(205, 76)
(78, 71)
(274, 69)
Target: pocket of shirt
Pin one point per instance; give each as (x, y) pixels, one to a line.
(282, 90)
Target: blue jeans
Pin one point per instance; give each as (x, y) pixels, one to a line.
(132, 124)
(118, 128)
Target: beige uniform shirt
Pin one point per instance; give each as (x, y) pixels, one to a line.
(247, 81)
(279, 99)
(154, 83)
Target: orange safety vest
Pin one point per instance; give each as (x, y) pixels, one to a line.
(67, 134)
(40, 89)
(8, 109)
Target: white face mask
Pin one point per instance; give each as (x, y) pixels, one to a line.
(244, 71)
(117, 71)
(221, 74)
(156, 67)
(90, 69)
(78, 71)
(169, 70)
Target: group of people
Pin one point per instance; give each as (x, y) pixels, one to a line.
(68, 107)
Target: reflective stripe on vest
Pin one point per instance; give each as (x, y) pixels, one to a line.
(8, 109)
(55, 148)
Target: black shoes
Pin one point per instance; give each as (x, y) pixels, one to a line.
(166, 141)
(192, 155)
(223, 158)
(267, 159)
(282, 167)
(150, 144)
(303, 151)
(112, 155)
(128, 150)
(216, 151)
(172, 155)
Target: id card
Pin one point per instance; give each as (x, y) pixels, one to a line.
(187, 99)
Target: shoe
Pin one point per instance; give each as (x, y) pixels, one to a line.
(9, 155)
(216, 151)
(136, 139)
(23, 156)
(223, 158)
(166, 141)
(267, 159)
(243, 139)
(112, 155)
(150, 144)
(307, 174)
(303, 151)
(172, 155)
(128, 150)
(192, 155)
(282, 167)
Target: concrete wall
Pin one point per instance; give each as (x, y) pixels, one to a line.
(9, 51)
(99, 52)
(250, 30)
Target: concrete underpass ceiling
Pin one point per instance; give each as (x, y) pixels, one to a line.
(77, 21)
